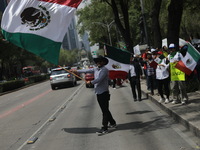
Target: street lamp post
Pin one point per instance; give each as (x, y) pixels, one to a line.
(108, 26)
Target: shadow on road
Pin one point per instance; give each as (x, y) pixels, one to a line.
(138, 127)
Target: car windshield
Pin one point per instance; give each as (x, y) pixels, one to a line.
(56, 72)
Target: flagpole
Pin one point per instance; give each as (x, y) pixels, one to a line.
(72, 73)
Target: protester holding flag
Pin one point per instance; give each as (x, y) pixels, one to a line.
(177, 85)
(101, 86)
(162, 77)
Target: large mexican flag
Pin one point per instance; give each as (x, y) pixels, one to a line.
(189, 62)
(119, 62)
(38, 26)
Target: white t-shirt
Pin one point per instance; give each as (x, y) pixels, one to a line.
(162, 72)
(177, 57)
(132, 71)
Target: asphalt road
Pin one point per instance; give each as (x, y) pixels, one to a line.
(67, 119)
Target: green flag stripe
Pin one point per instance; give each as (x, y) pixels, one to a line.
(43, 47)
(193, 52)
(118, 54)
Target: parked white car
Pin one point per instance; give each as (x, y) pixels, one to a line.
(60, 77)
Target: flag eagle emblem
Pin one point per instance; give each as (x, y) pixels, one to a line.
(188, 61)
(35, 18)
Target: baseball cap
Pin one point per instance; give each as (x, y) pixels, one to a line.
(171, 45)
(153, 50)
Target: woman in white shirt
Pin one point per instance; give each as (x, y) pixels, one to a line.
(162, 77)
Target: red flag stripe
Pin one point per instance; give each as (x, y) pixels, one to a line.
(70, 3)
(181, 66)
(117, 74)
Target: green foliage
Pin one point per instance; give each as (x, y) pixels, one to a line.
(37, 78)
(11, 85)
(94, 18)
(68, 57)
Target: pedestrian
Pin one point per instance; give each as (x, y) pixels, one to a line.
(135, 73)
(179, 94)
(162, 77)
(114, 83)
(144, 57)
(101, 87)
(150, 73)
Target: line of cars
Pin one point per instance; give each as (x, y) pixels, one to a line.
(60, 77)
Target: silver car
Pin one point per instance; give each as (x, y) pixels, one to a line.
(60, 77)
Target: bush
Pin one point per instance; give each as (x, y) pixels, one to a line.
(11, 85)
(15, 84)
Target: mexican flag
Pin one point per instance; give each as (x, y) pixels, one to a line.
(156, 61)
(38, 26)
(119, 62)
(189, 62)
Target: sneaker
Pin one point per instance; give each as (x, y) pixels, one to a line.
(175, 102)
(102, 131)
(135, 99)
(112, 126)
(166, 101)
(161, 100)
(183, 103)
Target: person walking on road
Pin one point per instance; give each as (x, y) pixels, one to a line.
(135, 73)
(101, 87)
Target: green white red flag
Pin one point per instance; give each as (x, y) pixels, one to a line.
(188, 63)
(38, 26)
(119, 62)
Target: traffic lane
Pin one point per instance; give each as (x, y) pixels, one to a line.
(26, 110)
(141, 125)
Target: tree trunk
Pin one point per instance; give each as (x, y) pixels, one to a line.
(175, 10)
(124, 30)
(157, 38)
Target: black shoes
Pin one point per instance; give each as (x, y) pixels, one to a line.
(102, 131)
(112, 126)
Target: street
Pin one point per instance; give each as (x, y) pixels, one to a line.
(67, 119)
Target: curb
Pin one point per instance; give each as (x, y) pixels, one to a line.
(178, 118)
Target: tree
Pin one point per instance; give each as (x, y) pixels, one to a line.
(175, 10)
(93, 18)
(121, 9)
(156, 33)
(68, 57)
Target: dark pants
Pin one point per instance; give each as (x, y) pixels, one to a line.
(103, 100)
(114, 83)
(135, 84)
(163, 84)
(151, 82)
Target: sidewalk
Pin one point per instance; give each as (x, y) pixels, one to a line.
(188, 115)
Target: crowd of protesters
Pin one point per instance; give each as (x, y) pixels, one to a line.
(155, 64)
